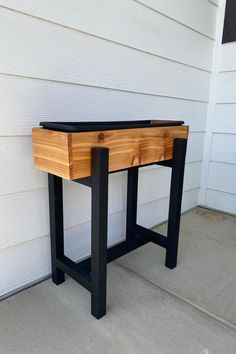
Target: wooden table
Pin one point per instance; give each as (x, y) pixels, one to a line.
(86, 153)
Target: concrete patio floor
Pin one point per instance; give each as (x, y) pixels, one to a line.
(188, 310)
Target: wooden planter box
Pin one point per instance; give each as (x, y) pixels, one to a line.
(68, 154)
(86, 153)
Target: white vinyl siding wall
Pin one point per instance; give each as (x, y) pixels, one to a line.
(221, 186)
(94, 60)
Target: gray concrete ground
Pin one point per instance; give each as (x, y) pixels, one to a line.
(206, 271)
(151, 309)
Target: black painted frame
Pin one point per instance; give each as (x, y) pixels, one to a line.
(91, 273)
(229, 33)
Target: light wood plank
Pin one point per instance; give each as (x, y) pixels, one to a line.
(68, 155)
(127, 148)
(52, 151)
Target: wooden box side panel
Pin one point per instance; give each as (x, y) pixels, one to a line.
(51, 151)
(127, 147)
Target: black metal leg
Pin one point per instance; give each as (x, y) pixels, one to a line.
(100, 158)
(132, 197)
(56, 225)
(176, 189)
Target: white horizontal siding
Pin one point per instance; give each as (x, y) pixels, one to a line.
(32, 205)
(221, 201)
(221, 191)
(222, 177)
(161, 178)
(126, 22)
(215, 2)
(74, 57)
(31, 262)
(37, 100)
(158, 209)
(19, 173)
(195, 147)
(224, 148)
(85, 60)
(228, 57)
(225, 121)
(202, 19)
(226, 88)
(33, 257)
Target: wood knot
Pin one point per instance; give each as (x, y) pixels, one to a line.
(101, 136)
(165, 134)
(136, 159)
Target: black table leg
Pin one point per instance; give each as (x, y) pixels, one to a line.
(100, 158)
(132, 197)
(92, 272)
(56, 225)
(176, 189)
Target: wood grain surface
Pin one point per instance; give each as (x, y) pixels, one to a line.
(68, 155)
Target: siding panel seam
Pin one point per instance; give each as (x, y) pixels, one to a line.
(110, 40)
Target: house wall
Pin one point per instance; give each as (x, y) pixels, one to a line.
(94, 60)
(220, 161)
(221, 186)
